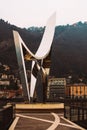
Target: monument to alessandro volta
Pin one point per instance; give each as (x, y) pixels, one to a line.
(38, 67)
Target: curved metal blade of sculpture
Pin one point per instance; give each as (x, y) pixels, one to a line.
(41, 53)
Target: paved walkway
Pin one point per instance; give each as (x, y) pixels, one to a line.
(42, 121)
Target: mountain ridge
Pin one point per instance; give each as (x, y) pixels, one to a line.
(69, 55)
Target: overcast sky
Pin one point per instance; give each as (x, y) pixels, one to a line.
(27, 13)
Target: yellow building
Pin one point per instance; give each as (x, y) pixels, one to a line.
(75, 105)
(76, 90)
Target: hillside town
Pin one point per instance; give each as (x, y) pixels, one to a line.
(10, 85)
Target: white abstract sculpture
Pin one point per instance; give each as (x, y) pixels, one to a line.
(41, 54)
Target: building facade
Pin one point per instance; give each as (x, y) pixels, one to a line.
(76, 91)
(56, 89)
(75, 106)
